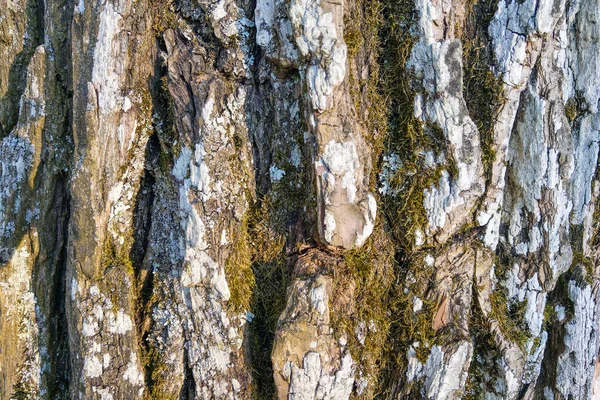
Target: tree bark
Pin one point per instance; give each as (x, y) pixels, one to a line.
(299, 199)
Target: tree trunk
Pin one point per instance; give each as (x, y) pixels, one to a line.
(299, 199)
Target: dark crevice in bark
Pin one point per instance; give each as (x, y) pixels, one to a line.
(555, 345)
(268, 301)
(57, 375)
(485, 351)
(158, 160)
(272, 272)
(142, 216)
(482, 90)
(188, 389)
(144, 276)
(259, 139)
(164, 112)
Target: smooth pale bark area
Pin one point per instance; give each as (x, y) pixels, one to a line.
(299, 199)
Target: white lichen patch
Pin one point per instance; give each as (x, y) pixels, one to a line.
(319, 298)
(438, 65)
(120, 323)
(348, 214)
(103, 392)
(211, 175)
(16, 158)
(417, 305)
(549, 175)
(576, 364)
(199, 264)
(329, 224)
(275, 174)
(274, 31)
(312, 382)
(133, 373)
(586, 158)
(369, 221)
(318, 35)
(341, 160)
(508, 31)
(445, 372)
(89, 327)
(92, 366)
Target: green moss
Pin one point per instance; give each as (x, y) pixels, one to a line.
(155, 373)
(587, 263)
(381, 269)
(483, 91)
(571, 109)
(352, 35)
(576, 233)
(269, 266)
(368, 276)
(238, 269)
(408, 137)
(384, 105)
(164, 17)
(504, 260)
(116, 257)
(268, 302)
(412, 278)
(362, 26)
(510, 316)
(595, 240)
(485, 353)
(549, 314)
(266, 237)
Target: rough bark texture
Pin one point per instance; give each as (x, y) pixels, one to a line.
(299, 199)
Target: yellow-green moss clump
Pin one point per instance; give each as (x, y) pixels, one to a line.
(361, 33)
(509, 313)
(164, 16)
(362, 297)
(579, 259)
(410, 326)
(510, 316)
(255, 241)
(268, 298)
(156, 371)
(484, 364)
(379, 32)
(571, 109)
(238, 269)
(116, 257)
(483, 91)
(408, 137)
(364, 284)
